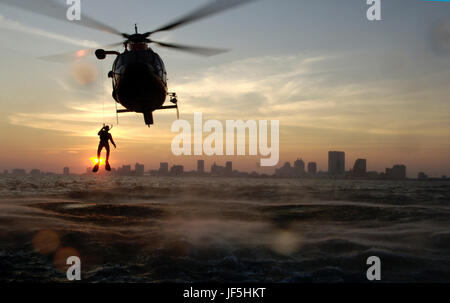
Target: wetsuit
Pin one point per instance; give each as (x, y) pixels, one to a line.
(105, 137)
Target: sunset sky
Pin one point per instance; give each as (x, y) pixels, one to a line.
(335, 81)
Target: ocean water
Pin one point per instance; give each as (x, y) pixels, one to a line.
(223, 230)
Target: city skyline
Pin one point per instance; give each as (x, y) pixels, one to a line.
(246, 163)
(298, 169)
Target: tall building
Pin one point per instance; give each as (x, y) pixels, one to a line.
(66, 171)
(336, 163)
(299, 167)
(217, 170)
(6, 172)
(422, 176)
(139, 169)
(164, 169)
(312, 168)
(177, 170)
(201, 167)
(360, 168)
(398, 172)
(229, 168)
(285, 171)
(125, 170)
(19, 172)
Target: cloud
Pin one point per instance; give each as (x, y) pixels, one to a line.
(84, 120)
(17, 26)
(345, 94)
(322, 100)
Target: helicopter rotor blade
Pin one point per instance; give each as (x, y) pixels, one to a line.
(202, 51)
(56, 10)
(72, 56)
(207, 10)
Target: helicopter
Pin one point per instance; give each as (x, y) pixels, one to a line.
(139, 76)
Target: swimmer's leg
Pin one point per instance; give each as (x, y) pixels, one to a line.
(107, 166)
(107, 151)
(99, 151)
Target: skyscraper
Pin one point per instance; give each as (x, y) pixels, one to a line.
(229, 168)
(360, 168)
(312, 168)
(177, 170)
(285, 171)
(398, 172)
(125, 170)
(164, 169)
(299, 167)
(19, 172)
(139, 169)
(336, 163)
(66, 171)
(201, 167)
(217, 170)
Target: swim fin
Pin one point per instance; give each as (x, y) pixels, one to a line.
(107, 166)
(95, 169)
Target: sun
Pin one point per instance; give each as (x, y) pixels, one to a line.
(95, 161)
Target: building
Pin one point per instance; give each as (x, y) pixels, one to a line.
(177, 170)
(285, 171)
(125, 170)
(66, 171)
(139, 169)
(360, 168)
(35, 172)
(163, 169)
(372, 175)
(312, 168)
(336, 163)
(6, 172)
(229, 168)
(299, 168)
(19, 172)
(217, 170)
(422, 176)
(397, 172)
(201, 167)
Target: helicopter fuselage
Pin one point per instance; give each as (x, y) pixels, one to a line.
(139, 80)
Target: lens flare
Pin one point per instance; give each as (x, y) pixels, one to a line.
(95, 161)
(84, 72)
(81, 53)
(46, 241)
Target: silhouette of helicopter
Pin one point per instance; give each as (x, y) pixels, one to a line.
(139, 77)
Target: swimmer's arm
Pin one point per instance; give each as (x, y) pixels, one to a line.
(112, 141)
